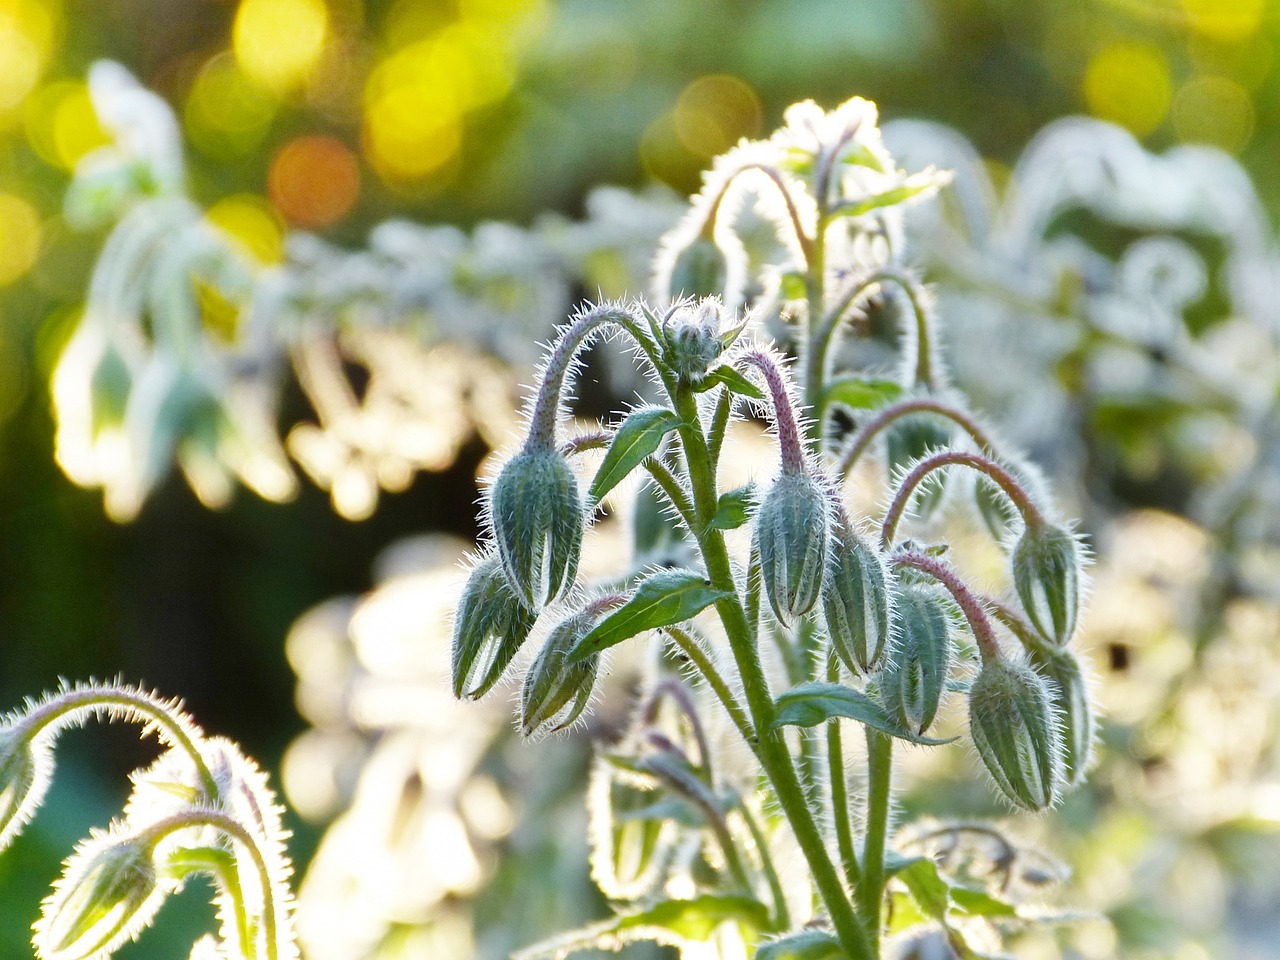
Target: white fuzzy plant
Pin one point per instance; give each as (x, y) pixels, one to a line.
(820, 618)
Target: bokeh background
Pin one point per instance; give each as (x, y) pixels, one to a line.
(332, 115)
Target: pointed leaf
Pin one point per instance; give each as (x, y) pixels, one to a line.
(637, 437)
(979, 903)
(731, 378)
(734, 508)
(812, 703)
(803, 945)
(861, 393)
(917, 185)
(927, 887)
(662, 600)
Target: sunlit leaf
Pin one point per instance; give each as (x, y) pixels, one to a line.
(734, 508)
(637, 437)
(663, 599)
(809, 704)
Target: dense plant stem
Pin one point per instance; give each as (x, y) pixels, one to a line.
(840, 811)
(775, 758)
(870, 890)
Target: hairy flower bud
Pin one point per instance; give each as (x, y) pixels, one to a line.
(536, 512)
(555, 691)
(1012, 723)
(1069, 694)
(855, 601)
(692, 337)
(22, 784)
(698, 270)
(106, 896)
(791, 534)
(1046, 574)
(915, 672)
(489, 628)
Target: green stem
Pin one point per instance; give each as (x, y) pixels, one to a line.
(970, 605)
(924, 373)
(894, 411)
(840, 790)
(781, 914)
(870, 891)
(698, 657)
(775, 758)
(670, 486)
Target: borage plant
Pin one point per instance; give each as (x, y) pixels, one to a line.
(820, 616)
(202, 807)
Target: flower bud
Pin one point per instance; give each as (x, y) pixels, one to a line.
(791, 534)
(914, 674)
(555, 691)
(910, 439)
(489, 627)
(1012, 723)
(1069, 695)
(855, 602)
(698, 270)
(106, 896)
(22, 784)
(536, 512)
(693, 339)
(1046, 574)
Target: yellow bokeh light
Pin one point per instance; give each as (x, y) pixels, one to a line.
(279, 41)
(1128, 83)
(252, 224)
(1228, 21)
(61, 124)
(27, 31)
(414, 103)
(714, 112)
(1214, 110)
(226, 114)
(19, 237)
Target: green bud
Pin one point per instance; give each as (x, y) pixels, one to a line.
(555, 691)
(855, 602)
(536, 512)
(1012, 723)
(693, 339)
(915, 672)
(997, 512)
(22, 784)
(489, 628)
(107, 895)
(791, 534)
(109, 386)
(908, 440)
(699, 270)
(1069, 695)
(1046, 574)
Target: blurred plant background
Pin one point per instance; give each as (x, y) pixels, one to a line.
(1137, 295)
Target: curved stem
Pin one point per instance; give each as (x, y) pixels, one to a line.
(1031, 514)
(895, 411)
(970, 605)
(784, 414)
(698, 657)
(168, 723)
(781, 913)
(918, 298)
(793, 213)
(670, 486)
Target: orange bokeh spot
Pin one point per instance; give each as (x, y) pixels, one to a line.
(314, 181)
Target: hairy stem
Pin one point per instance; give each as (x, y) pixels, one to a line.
(870, 891)
(895, 411)
(970, 605)
(840, 811)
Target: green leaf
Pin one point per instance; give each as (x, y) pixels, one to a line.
(979, 903)
(663, 599)
(861, 393)
(809, 704)
(732, 379)
(734, 508)
(637, 437)
(669, 922)
(803, 945)
(916, 185)
(927, 887)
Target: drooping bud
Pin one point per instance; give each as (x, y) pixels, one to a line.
(107, 894)
(907, 441)
(22, 784)
(692, 337)
(489, 627)
(915, 672)
(1046, 573)
(536, 512)
(698, 270)
(631, 841)
(792, 530)
(555, 691)
(856, 601)
(1069, 695)
(1012, 723)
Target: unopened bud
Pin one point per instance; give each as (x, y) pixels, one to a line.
(1069, 694)
(106, 896)
(791, 534)
(1046, 573)
(914, 674)
(22, 784)
(1012, 723)
(693, 339)
(489, 628)
(855, 601)
(556, 692)
(536, 512)
(698, 270)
